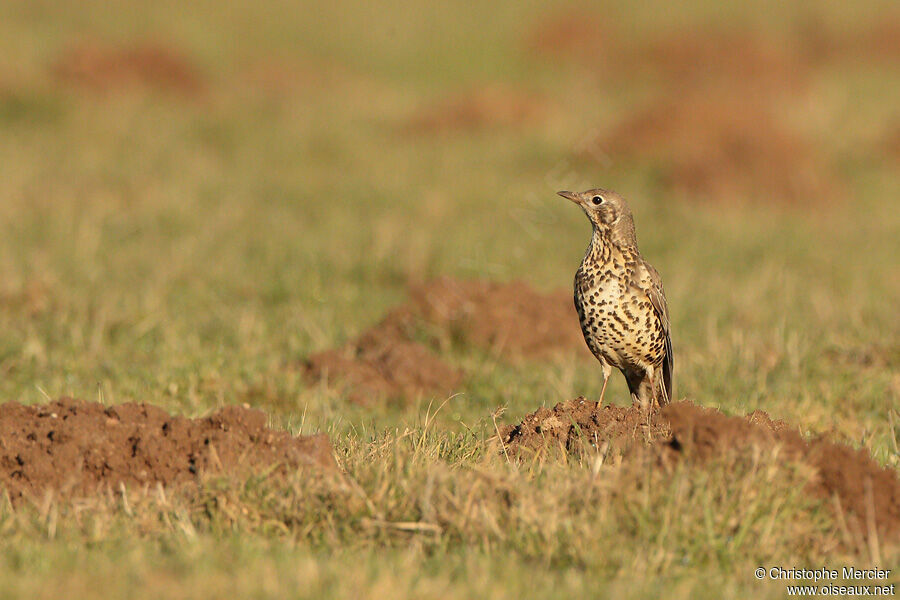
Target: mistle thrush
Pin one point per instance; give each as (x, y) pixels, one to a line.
(621, 303)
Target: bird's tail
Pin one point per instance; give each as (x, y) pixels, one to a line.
(668, 391)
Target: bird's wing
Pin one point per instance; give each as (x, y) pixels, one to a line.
(657, 295)
(647, 279)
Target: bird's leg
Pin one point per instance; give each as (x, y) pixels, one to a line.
(606, 372)
(653, 389)
(659, 388)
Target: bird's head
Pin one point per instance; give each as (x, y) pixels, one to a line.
(603, 207)
(607, 211)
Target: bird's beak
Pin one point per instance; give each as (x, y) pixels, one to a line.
(570, 196)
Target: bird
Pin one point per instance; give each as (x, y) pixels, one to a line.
(621, 303)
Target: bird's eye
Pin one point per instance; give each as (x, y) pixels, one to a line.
(597, 200)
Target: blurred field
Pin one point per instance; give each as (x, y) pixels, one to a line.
(195, 199)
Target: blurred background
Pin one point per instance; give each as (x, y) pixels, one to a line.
(194, 197)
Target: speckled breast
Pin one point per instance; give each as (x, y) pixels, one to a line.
(617, 319)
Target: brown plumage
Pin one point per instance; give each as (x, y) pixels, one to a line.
(621, 303)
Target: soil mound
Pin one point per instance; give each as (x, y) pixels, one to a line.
(384, 363)
(78, 447)
(582, 36)
(579, 424)
(685, 58)
(30, 297)
(723, 146)
(890, 143)
(512, 319)
(872, 43)
(492, 106)
(396, 358)
(751, 59)
(866, 492)
(105, 68)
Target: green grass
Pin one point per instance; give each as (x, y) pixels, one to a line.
(432, 514)
(189, 252)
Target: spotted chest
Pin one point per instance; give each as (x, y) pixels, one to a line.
(617, 318)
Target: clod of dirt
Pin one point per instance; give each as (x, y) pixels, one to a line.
(78, 447)
(106, 68)
(578, 424)
(492, 106)
(384, 363)
(509, 319)
(723, 146)
(683, 431)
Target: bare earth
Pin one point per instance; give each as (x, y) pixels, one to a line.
(78, 447)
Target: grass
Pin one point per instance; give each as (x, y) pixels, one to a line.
(188, 251)
(435, 515)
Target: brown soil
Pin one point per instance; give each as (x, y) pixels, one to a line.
(580, 36)
(31, 297)
(878, 41)
(576, 425)
(683, 430)
(749, 59)
(684, 57)
(78, 447)
(718, 131)
(890, 142)
(510, 319)
(492, 106)
(396, 360)
(105, 68)
(384, 363)
(721, 146)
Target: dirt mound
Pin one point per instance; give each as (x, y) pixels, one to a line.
(105, 68)
(78, 447)
(384, 363)
(890, 142)
(31, 297)
(865, 491)
(879, 41)
(396, 358)
(492, 106)
(684, 57)
(581, 423)
(512, 319)
(724, 145)
(750, 59)
(584, 37)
